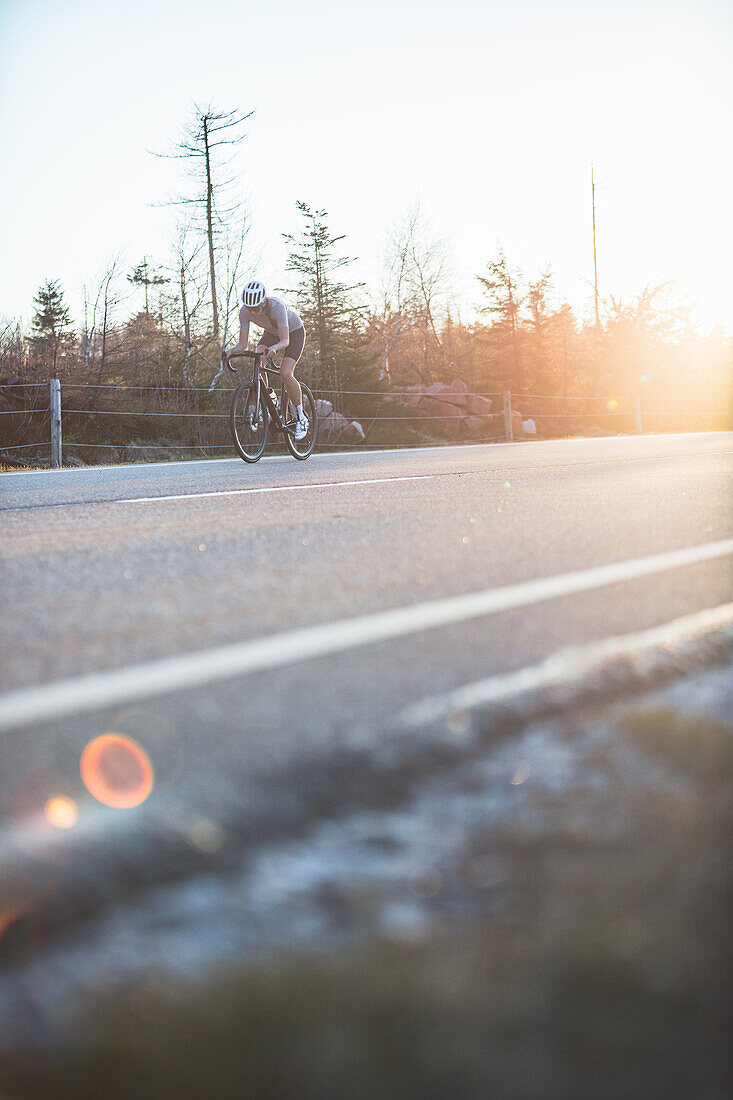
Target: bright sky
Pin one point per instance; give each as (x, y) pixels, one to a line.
(489, 112)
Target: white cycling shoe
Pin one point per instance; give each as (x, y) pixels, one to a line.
(301, 429)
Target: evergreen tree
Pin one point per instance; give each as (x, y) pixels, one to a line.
(51, 321)
(144, 275)
(338, 351)
(505, 293)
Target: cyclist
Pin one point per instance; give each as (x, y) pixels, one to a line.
(283, 331)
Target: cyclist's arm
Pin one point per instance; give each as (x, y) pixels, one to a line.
(241, 344)
(283, 333)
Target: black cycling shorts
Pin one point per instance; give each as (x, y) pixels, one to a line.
(294, 350)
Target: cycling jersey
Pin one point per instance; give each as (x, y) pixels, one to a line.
(277, 315)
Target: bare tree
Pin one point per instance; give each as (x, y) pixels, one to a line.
(396, 307)
(429, 260)
(233, 257)
(207, 143)
(12, 347)
(416, 281)
(190, 281)
(98, 327)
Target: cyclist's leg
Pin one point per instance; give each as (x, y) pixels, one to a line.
(292, 354)
(292, 385)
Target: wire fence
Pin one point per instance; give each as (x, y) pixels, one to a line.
(388, 423)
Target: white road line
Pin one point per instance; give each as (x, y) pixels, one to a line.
(273, 489)
(132, 467)
(567, 668)
(115, 687)
(402, 477)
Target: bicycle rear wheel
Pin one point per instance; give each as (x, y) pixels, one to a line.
(249, 421)
(300, 448)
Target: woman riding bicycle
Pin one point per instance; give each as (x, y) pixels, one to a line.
(283, 331)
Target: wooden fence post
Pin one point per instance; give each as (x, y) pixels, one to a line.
(56, 460)
(637, 415)
(508, 427)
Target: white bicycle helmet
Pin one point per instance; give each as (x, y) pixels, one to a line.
(254, 294)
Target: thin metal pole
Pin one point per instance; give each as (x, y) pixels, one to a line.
(56, 457)
(595, 260)
(508, 427)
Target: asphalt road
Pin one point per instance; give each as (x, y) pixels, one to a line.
(107, 568)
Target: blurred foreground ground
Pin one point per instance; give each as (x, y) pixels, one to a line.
(548, 919)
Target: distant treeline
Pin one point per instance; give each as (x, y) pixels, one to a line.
(363, 342)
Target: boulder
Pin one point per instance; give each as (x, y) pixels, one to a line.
(473, 425)
(458, 401)
(352, 433)
(454, 394)
(331, 427)
(324, 409)
(478, 406)
(457, 388)
(432, 406)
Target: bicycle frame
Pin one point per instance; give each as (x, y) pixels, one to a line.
(263, 391)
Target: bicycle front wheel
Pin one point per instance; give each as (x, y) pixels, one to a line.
(249, 421)
(300, 448)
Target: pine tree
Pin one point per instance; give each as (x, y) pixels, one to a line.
(51, 321)
(144, 275)
(505, 293)
(332, 318)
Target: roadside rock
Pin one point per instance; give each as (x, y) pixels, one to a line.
(478, 406)
(331, 427)
(473, 425)
(456, 388)
(353, 433)
(335, 428)
(451, 409)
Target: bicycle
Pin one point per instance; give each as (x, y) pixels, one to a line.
(255, 407)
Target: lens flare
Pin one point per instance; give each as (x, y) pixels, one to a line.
(612, 406)
(62, 812)
(521, 774)
(116, 771)
(206, 836)
(459, 721)
(8, 917)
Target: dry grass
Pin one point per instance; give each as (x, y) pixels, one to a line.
(605, 974)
